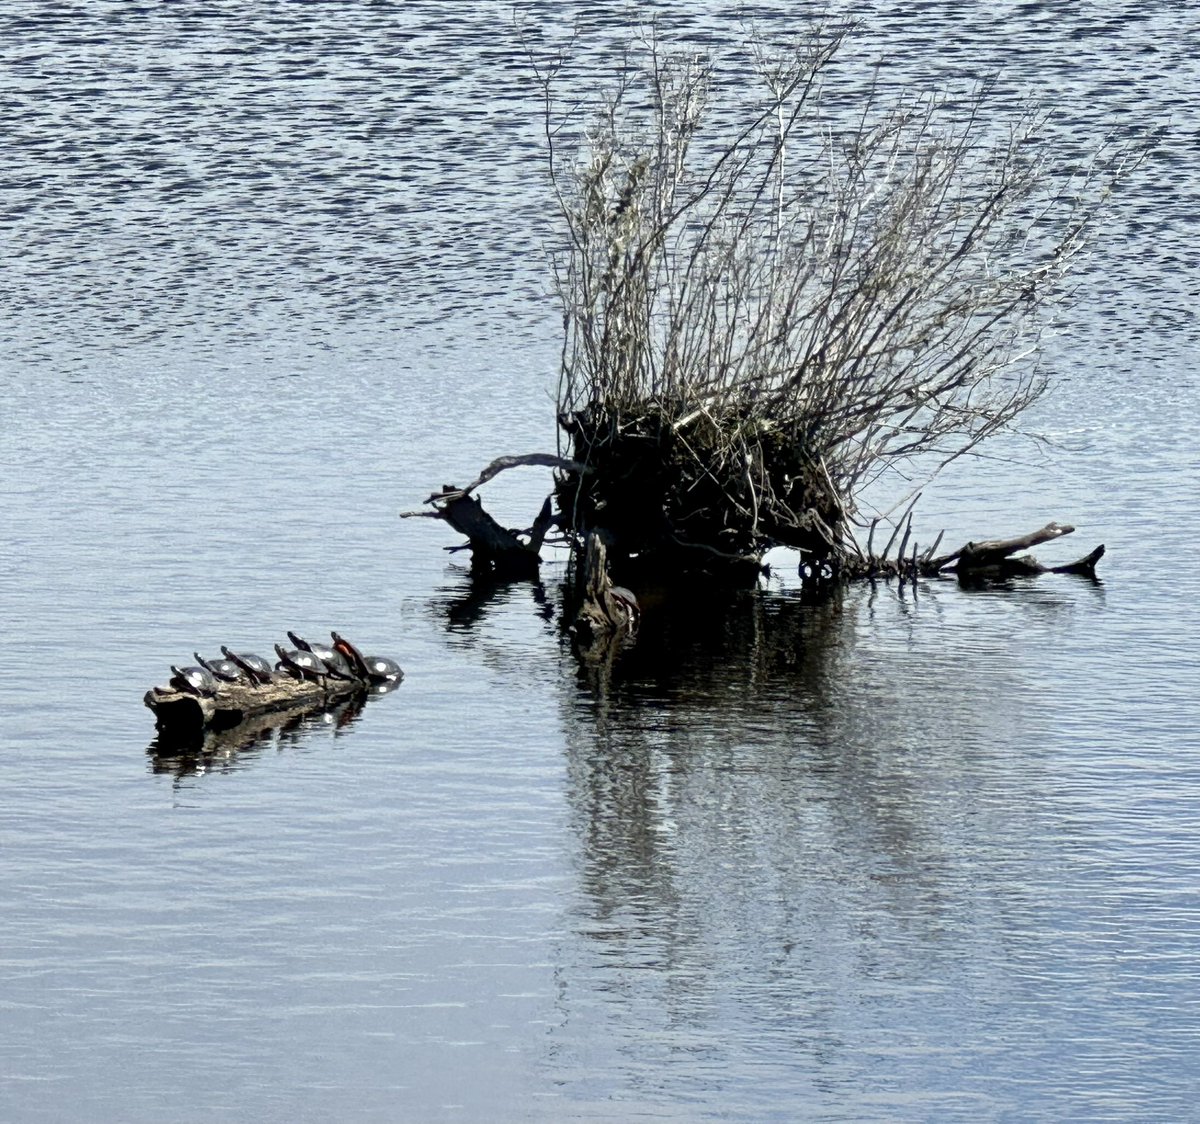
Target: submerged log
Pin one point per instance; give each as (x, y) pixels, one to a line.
(234, 703)
(998, 557)
(994, 554)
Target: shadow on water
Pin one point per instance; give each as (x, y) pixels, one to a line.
(183, 752)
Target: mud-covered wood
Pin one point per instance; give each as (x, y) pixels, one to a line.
(236, 702)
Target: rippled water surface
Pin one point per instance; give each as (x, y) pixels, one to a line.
(271, 275)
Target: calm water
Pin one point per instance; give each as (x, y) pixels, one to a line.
(269, 277)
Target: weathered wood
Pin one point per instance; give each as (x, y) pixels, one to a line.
(986, 555)
(178, 749)
(493, 547)
(993, 558)
(236, 702)
(542, 460)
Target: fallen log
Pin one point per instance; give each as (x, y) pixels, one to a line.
(235, 703)
(221, 694)
(186, 749)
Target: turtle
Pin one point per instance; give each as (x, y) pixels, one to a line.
(258, 669)
(336, 663)
(197, 681)
(351, 655)
(628, 602)
(301, 665)
(383, 670)
(225, 670)
(374, 669)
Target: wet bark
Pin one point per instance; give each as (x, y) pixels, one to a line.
(493, 548)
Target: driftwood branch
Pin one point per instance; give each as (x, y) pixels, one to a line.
(494, 548)
(503, 464)
(990, 558)
(986, 555)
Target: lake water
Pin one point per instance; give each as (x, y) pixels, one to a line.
(270, 276)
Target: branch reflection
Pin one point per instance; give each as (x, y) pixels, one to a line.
(793, 792)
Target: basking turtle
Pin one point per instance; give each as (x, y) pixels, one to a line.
(197, 681)
(301, 665)
(336, 663)
(258, 669)
(383, 670)
(374, 669)
(225, 670)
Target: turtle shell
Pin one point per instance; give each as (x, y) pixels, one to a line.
(225, 670)
(335, 663)
(256, 667)
(194, 681)
(381, 669)
(300, 664)
(353, 657)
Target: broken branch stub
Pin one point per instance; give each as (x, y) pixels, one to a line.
(607, 610)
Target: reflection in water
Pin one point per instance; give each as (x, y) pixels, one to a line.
(983, 583)
(467, 603)
(183, 752)
(778, 824)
